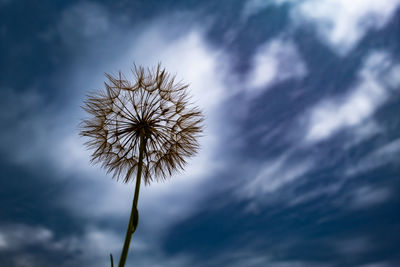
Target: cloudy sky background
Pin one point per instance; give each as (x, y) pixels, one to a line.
(299, 165)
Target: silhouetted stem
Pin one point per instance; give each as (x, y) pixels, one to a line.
(112, 260)
(134, 218)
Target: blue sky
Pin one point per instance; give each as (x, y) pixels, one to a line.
(299, 164)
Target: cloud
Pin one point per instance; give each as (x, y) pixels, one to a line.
(342, 23)
(82, 22)
(275, 175)
(363, 132)
(22, 120)
(99, 200)
(356, 107)
(352, 110)
(367, 196)
(187, 55)
(381, 156)
(18, 236)
(351, 246)
(91, 248)
(316, 192)
(252, 7)
(254, 258)
(331, 116)
(275, 61)
(271, 178)
(198, 65)
(92, 195)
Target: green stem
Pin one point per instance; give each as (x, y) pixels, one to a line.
(134, 218)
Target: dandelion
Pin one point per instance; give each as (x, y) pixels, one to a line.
(146, 127)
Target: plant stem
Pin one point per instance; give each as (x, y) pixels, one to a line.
(134, 218)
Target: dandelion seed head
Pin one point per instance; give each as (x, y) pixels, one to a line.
(153, 108)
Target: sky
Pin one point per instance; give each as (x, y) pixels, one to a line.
(299, 162)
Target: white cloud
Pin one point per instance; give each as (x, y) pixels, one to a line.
(340, 23)
(275, 61)
(91, 248)
(393, 77)
(194, 62)
(22, 120)
(323, 190)
(356, 107)
(390, 152)
(82, 22)
(363, 132)
(95, 196)
(367, 196)
(276, 174)
(254, 258)
(18, 236)
(272, 177)
(58, 147)
(351, 246)
(15, 104)
(343, 23)
(94, 246)
(188, 56)
(333, 115)
(252, 7)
